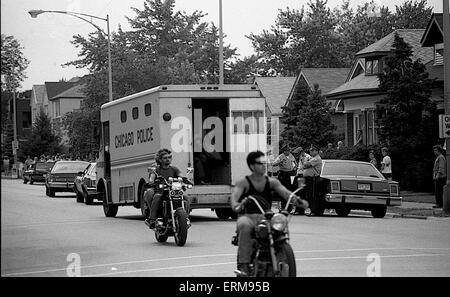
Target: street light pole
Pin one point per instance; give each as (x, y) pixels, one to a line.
(446, 32)
(35, 13)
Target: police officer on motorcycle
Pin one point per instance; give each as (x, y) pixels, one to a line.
(152, 197)
(256, 184)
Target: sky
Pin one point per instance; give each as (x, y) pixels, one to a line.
(46, 39)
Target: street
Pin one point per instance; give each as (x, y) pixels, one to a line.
(44, 236)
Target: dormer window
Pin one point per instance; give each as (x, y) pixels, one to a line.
(439, 54)
(373, 66)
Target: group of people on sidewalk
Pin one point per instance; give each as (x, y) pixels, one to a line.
(303, 174)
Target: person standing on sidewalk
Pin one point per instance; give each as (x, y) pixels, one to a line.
(313, 168)
(439, 175)
(386, 164)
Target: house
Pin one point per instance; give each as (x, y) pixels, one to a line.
(56, 99)
(276, 90)
(328, 79)
(356, 99)
(433, 37)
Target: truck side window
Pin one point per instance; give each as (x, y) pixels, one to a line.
(148, 109)
(135, 113)
(123, 116)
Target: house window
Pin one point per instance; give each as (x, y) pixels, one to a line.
(372, 127)
(373, 66)
(135, 113)
(123, 116)
(148, 109)
(439, 54)
(248, 122)
(57, 108)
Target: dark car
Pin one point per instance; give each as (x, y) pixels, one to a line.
(36, 172)
(85, 185)
(347, 185)
(62, 175)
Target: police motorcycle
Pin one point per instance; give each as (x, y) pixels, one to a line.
(175, 208)
(272, 255)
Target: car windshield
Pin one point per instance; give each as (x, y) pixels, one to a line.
(69, 167)
(44, 166)
(350, 169)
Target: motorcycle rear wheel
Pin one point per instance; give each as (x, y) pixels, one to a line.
(181, 224)
(160, 238)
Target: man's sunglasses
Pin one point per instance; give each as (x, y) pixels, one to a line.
(166, 157)
(260, 163)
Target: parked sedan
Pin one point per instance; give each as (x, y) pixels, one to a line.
(36, 172)
(85, 185)
(61, 178)
(347, 185)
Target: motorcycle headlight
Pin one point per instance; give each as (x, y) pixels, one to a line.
(278, 222)
(176, 186)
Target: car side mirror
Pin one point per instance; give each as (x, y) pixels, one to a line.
(80, 173)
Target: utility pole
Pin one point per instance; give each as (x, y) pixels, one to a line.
(15, 142)
(446, 31)
(221, 45)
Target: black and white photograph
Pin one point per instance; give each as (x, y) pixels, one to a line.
(218, 145)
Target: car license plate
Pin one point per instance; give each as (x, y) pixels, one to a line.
(363, 187)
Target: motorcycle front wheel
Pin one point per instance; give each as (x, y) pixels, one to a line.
(181, 223)
(286, 260)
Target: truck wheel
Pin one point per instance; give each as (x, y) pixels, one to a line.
(110, 210)
(342, 210)
(379, 211)
(51, 193)
(223, 213)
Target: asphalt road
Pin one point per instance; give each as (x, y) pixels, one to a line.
(42, 236)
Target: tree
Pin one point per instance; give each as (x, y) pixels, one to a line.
(308, 118)
(319, 37)
(82, 131)
(42, 139)
(407, 116)
(13, 65)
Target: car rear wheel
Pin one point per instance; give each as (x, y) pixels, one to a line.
(379, 211)
(51, 193)
(31, 181)
(25, 181)
(342, 210)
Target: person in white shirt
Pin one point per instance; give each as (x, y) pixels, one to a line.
(386, 164)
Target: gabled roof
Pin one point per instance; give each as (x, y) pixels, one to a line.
(55, 88)
(38, 92)
(433, 32)
(360, 83)
(74, 92)
(327, 78)
(276, 90)
(410, 36)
